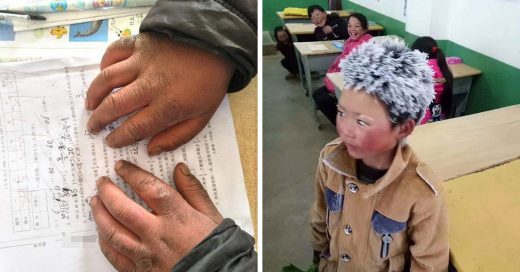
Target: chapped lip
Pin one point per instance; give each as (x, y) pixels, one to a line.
(349, 146)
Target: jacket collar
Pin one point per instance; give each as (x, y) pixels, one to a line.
(341, 162)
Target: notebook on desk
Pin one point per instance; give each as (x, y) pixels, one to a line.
(317, 47)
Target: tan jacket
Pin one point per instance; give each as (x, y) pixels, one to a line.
(350, 219)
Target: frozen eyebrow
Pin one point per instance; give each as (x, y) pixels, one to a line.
(356, 114)
(366, 117)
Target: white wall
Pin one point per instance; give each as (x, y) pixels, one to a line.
(418, 17)
(490, 27)
(390, 8)
(441, 18)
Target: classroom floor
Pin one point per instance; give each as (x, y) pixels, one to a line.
(291, 146)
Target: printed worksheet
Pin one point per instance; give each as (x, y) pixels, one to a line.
(49, 163)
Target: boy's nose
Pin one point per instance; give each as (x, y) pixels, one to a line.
(349, 130)
(349, 133)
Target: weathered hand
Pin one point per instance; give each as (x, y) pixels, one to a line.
(134, 239)
(170, 90)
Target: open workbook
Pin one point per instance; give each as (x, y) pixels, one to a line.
(49, 163)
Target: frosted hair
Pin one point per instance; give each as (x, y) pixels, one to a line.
(389, 70)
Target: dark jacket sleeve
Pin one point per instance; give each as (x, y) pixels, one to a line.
(227, 248)
(339, 28)
(224, 27)
(319, 35)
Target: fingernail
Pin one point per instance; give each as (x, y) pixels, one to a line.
(87, 104)
(185, 170)
(99, 180)
(155, 151)
(107, 140)
(118, 165)
(90, 127)
(93, 200)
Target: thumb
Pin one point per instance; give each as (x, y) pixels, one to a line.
(194, 193)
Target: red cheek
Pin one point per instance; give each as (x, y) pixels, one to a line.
(369, 141)
(376, 140)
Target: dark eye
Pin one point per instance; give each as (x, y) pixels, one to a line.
(341, 114)
(361, 122)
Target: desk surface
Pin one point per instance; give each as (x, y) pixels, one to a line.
(483, 211)
(244, 110)
(462, 70)
(337, 80)
(463, 145)
(306, 48)
(308, 28)
(341, 13)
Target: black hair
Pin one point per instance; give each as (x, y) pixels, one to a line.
(361, 18)
(281, 28)
(429, 46)
(312, 8)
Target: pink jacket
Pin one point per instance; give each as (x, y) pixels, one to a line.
(349, 45)
(435, 115)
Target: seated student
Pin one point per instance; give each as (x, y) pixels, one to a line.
(328, 26)
(324, 97)
(377, 206)
(441, 107)
(285, 45)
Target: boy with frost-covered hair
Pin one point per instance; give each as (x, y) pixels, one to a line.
(377, 207)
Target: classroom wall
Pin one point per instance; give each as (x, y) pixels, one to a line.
(270, 7)
(394, 9)
(490, 27)
(483, 32)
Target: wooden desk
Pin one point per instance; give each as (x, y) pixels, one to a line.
(244, 110)
(306, 19)
(462, 70)
(483, 211)
(308, 28)
(462, 79)
(464, 145)
(316, 61)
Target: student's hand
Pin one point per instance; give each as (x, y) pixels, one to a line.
(170, 90)
(134, 239)
(327, 29)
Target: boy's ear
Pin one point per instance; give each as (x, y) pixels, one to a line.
(406, 128)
